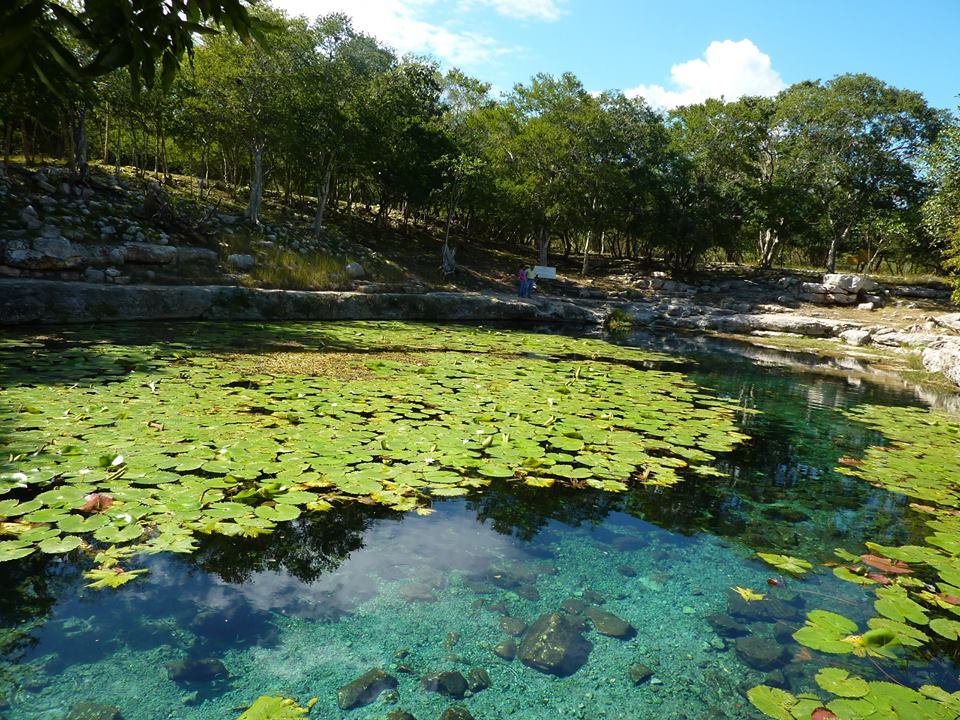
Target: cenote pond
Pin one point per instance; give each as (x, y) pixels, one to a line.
(385, 520)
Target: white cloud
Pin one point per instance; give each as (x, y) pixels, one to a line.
(401, 24)
(728, 69)
(547, 10)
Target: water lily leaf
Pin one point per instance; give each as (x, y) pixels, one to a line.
(772, 702)
(112, 577)
(58, 545)
(840, 682)
(14, 550)
(827, 632)
(894, 603)
(786, 563)
(944, 627)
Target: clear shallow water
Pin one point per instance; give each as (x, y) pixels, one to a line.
(327, 597)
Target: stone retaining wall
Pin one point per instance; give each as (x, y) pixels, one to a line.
(51, 302)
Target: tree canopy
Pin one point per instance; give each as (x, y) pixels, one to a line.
(848, 171)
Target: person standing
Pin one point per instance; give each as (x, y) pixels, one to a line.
(522, 277)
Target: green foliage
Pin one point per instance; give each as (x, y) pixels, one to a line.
(141, 455)
(859, 700)
(105, 36)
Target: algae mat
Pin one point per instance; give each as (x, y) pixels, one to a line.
(128, 444)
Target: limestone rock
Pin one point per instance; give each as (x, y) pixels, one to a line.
(93, 711)
(759, 653)
(400, 715)
(851, 284)
(449, 683)
(365, 689)
(554, 645)
(606, 623)
(240, 262)
(478, 679)
(191, 256)
(726, 626)
(92, 275)
(417, 592)
(355, 270)
(149, 253)
(512, 626)
(856, 337)
(506, 650)
(196, 670)
(640, 673)
(944, 357)
(456, 712)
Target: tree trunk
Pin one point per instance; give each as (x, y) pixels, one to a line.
(323, 191)
(586, 253)
(80, 142)
(7, 142)
(767, 245)
(118, 151)
(27, 141)
(106, 135)
(543, 245)
(832, 254)
(256, 186)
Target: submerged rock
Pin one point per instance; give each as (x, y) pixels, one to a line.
(770, 610)
(456, 712)
(399, 715)
(93, 711)
(553, 644)
(640, 673)
(626, 571)
(506, 650)
(528, 592)
(199, 670)
(759, 652)
(365, 689)
(592, 597)
(627, 543)
(512, 626)
(606, 623)
(478, 679)
(449, 683)
(785, 513)
(726, 626)
(574, 606)
(417, 592)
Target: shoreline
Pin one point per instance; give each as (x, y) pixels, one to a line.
(929, 356)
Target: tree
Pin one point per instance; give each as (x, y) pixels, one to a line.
(858, 143)
(110, 35)
(941, 212)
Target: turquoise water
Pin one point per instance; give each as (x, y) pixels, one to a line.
(327, 597)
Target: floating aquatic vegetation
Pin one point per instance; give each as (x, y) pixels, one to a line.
(135, 447)
(274, 707)
(786, 563)
(748, 594)
(857, 700)
(916, 586)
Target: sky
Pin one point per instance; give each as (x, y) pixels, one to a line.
(673, 52)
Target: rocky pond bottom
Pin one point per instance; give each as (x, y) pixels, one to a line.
(510, 602)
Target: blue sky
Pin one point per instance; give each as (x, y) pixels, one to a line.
(675, 51)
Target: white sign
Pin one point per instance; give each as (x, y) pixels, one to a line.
(545, 273)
